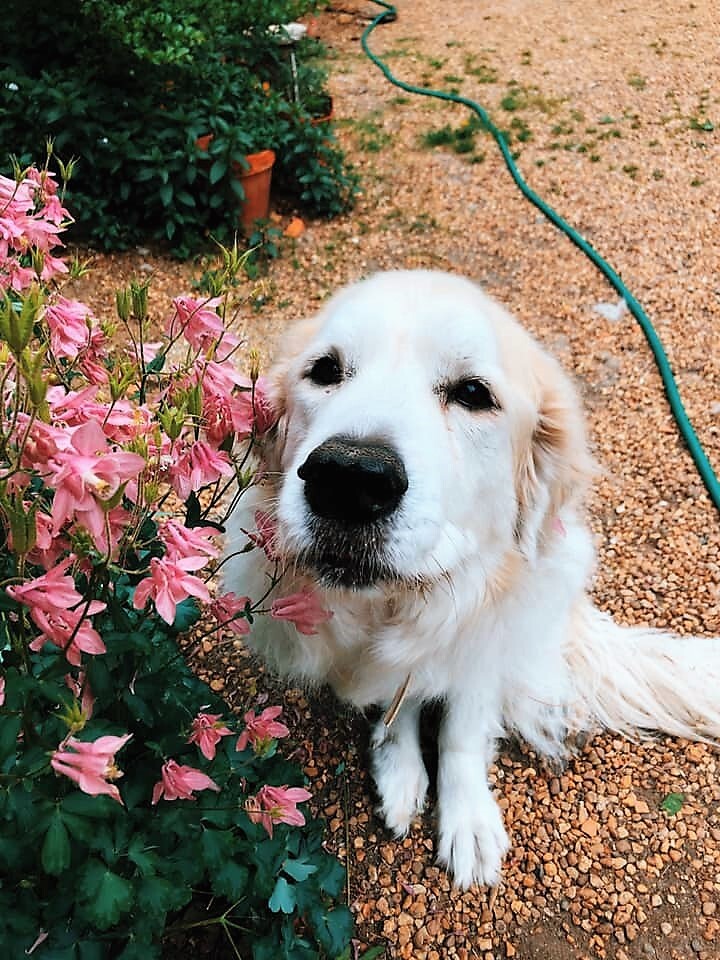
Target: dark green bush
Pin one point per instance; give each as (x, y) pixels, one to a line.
(127, 88)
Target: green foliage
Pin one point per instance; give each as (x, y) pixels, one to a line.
(460, 139)
(673, 803)
(128, 87)
(123, 874)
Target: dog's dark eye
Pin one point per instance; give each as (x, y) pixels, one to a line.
(473, 394)
(326, 371)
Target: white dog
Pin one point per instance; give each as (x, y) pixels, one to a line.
(427, 477)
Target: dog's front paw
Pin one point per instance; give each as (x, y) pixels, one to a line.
(473, 841)
(402, 783)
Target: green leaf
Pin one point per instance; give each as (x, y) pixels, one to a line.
(299, 869)
(217, 847)
(283, 897)
(333, 929)
(158, 896)
(672, 803)
(55, 854)
(9, 730)
(107, 896)
(230, 880)
(187, 614)
(218, 170)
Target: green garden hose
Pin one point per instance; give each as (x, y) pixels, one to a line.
(682, 420)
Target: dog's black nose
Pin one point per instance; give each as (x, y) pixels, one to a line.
(353, 482)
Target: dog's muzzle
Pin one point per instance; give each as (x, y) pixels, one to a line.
(351, 486)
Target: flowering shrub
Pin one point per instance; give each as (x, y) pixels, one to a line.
(127, 87)
(133, 807)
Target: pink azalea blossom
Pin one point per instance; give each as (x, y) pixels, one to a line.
(304, 609)
(179, 781)
(227, 610)
(69, 322)
(54, 590)
(170, 583)
(208, 729)
(91, 765)
(87, 474)
(182, 542)
(261, 730)
(277, 805)
(2, 691)
(199, 465)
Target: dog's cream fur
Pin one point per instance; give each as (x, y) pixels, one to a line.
(489, 554)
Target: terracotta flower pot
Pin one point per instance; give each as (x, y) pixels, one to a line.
(255, 182)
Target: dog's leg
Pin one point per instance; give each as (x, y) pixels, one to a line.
(398, 768)
(473, 840)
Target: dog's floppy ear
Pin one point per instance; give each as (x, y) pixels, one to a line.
(553, 465)
(287, 349)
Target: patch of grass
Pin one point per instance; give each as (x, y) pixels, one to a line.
(436, 63)
(657, 174)
(631, 169)
(451, 78)
(697, 182)
(526, 58)
(637, 81)
(481, 71)
(521, 97)
(522, 131)
(701, 123)
(400, 101)
(423, 223)
(460, 140)
(370, 134)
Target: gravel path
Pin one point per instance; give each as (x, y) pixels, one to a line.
(614, 109)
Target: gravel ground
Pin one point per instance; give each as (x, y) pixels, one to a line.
(614, 111)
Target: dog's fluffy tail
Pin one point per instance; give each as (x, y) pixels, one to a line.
(636, 680)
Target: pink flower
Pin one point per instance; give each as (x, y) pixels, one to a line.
(182, 542)
(80, 689)
(85, 476)
(69, 322)
(252, 410)
(199, 466)
(50, 592)
(70, 630)
(90, 765)
(170, 583)
(2, 691)
(179, 781)
(201, 326)
(303, 609)
(261, 730)
(277, 805)
(266, 534)
(208, 730)
(228, 609)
